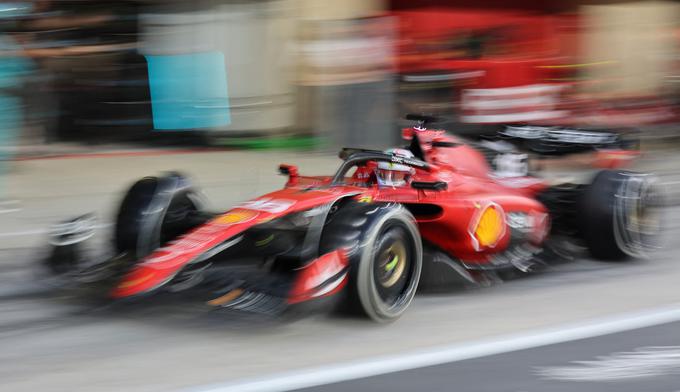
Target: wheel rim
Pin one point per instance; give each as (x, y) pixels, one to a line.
(648, 214)
(391, 264)
(176, 214)
(392, 267)
(637, 220)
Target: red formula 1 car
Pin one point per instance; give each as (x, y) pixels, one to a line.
(363, 238)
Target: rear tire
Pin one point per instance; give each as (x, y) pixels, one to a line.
(385, 253)
(617, 218)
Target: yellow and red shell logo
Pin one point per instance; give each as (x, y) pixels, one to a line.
(238, 215)
(487, 226)
(365, 199)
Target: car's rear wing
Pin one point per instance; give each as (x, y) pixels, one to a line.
(544, 140)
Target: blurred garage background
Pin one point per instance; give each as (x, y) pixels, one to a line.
(323, 73)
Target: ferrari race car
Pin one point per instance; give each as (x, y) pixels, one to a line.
(364, 239)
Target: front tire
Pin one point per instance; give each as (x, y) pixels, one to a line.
(154, 211)
(386, 256)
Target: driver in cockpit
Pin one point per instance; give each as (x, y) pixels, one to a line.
(394, 174)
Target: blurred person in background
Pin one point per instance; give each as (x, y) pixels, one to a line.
(81, 49)
(14, 68)
(346, 74)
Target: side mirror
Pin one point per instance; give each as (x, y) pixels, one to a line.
(429, 185)
(288, 170)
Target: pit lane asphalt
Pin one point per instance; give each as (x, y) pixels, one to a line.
(646, 359)
(53, 344)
